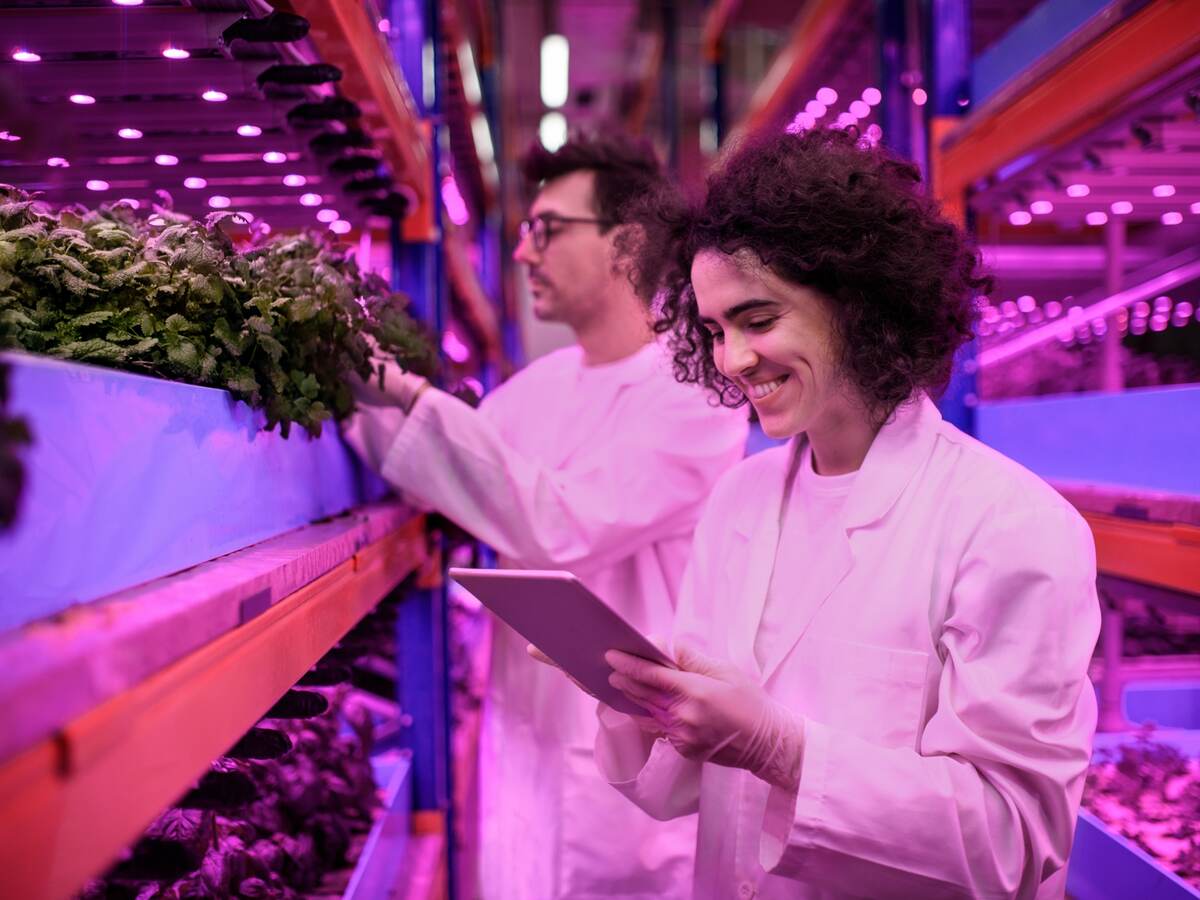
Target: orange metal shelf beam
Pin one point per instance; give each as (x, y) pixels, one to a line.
(1165, 555)
(1076, 99)
(70, 804)
(345, 35)
(815, 24)
(712, 32)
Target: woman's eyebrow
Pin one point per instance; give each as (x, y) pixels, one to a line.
(738, 309)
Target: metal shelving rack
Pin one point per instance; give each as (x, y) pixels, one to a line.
(106, 736)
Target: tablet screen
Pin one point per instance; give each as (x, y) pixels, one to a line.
(556, 613)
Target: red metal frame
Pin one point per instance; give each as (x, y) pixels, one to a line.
(1078, 97)
(346, 36)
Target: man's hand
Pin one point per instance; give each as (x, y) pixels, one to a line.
(713, 712)
(399, 388)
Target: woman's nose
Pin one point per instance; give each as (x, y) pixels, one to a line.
(737, 355)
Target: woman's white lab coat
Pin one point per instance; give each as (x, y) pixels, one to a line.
(940, 667)
(601, 470)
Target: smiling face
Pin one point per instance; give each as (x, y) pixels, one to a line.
(571, 277)
(776, 341)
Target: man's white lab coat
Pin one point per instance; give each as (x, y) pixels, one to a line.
(940, 665)
(601, 470)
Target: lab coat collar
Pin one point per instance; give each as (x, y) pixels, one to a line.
(899, 449)
(633, 369)
(894, 457)
(902, 444)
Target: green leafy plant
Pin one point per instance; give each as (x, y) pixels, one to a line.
(281, 324)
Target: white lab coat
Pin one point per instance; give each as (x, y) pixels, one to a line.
(603, 471)
(940, 667)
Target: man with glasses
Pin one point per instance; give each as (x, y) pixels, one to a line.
(592, 459)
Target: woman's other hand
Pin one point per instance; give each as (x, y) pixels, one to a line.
(647, 724)
(713, 712)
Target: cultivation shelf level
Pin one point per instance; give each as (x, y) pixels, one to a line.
(120, 759)
(1105, 864)
(131, 478)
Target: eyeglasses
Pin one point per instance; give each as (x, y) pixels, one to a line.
(541, 228)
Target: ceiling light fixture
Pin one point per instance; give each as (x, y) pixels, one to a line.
(82, 99)
(129, 134)
(194, 184)
(274, 157)
(214, 96)
(97, 185)
(552, 130)
(219, 201)
(23, 55)
(310, 199)
(166, 159)
(555, 70)
(1121, 207)
(175, 53)
(295, 180)
(249, 130)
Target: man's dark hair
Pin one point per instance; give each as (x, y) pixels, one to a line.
(825, 210)
(626, 170)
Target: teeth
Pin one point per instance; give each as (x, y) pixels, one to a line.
(758, 391)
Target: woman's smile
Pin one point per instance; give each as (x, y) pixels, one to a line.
(759, 391)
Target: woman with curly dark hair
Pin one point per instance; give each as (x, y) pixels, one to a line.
(883, 637)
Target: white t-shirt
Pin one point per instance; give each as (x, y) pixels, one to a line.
(809, 519)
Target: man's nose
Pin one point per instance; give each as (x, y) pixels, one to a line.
(525, 252)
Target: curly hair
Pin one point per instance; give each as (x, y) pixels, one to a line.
(840, 216)
(626, 171)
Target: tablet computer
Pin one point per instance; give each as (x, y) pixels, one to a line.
(562, 618)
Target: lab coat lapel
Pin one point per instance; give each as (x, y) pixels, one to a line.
(811, 596)
(899, 449)
(757, 532)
